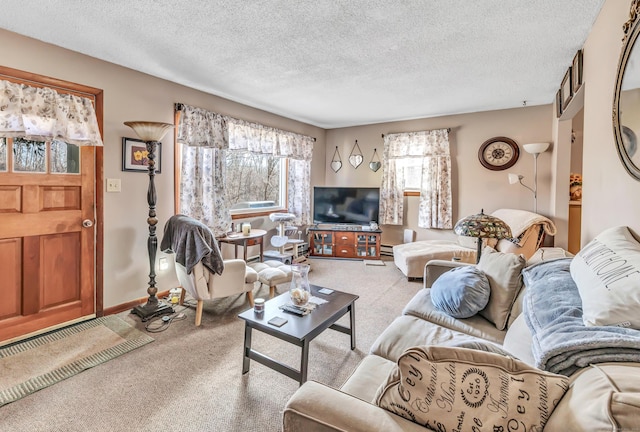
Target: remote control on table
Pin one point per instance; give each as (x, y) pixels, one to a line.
(292, 309)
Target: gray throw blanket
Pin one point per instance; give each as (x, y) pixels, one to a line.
(192, 242)
(553, 312)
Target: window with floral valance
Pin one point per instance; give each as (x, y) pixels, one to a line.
(207, 139)
(431, 149)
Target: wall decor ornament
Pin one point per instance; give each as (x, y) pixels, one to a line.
(566, 91)
(356, 158)
(336, 161)
(625, 102)
(135, 156)
(558, 103)
(576, 72)
(498, 153)
(375, 163)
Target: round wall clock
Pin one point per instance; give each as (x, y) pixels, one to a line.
(498, 153)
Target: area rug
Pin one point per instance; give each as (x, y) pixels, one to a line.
(31, 365)
(374, 262)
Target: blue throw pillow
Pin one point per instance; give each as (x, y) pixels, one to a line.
(461, 292)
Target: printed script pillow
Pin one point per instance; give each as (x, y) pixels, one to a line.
(459, 389)
(607, 273)
(503, 271)
(461, 292)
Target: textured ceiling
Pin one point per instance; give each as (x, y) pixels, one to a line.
(330, 63)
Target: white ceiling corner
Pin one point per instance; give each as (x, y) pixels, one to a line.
(331, 63)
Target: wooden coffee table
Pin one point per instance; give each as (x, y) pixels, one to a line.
(299, 330)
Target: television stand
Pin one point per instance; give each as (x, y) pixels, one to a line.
(345, 241)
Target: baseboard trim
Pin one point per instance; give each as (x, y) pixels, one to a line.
(130, 305)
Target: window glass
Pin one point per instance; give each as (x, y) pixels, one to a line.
(254, 181)
(29, 156)
(412, 172)
(64, 158)
(3, 154)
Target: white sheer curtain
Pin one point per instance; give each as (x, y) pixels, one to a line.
(43, 114)
(206, 135)
(432, 147)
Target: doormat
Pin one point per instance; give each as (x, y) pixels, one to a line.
(36, 363)
(374, 262)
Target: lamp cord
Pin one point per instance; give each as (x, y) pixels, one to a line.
(160, 324)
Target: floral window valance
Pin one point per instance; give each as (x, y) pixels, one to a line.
(43, 114)
(201, 128)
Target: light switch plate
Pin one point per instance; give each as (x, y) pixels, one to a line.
(113, 185)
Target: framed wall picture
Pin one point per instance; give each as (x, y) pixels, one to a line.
(566, 92)
(134, 156)
(558, 103)
(576, 72)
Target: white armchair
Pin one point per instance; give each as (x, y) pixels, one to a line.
(201, 284)
(199, 265)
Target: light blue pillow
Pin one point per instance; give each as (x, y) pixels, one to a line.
(461, 292)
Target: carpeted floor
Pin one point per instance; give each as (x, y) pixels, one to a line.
(39, 362)
(190, 378)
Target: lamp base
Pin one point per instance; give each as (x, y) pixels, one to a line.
(149, 310)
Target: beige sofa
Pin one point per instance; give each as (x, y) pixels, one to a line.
(601, 398)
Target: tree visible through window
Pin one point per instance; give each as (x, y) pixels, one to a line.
(253, 180)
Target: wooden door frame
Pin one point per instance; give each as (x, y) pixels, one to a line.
(36, 80)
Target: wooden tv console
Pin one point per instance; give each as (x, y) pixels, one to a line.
(345, 242)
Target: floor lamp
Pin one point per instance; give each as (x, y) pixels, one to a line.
(535, 149)
(151, 133)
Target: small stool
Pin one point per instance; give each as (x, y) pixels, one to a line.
(272, 273)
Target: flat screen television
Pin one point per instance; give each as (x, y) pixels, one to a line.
(346, 205)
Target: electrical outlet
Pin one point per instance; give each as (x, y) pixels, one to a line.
(113, 185)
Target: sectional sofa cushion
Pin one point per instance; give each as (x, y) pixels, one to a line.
(602, 397)
(607, 273)
(503, 271)
(461, 292)
(422, 307)
(447, 388)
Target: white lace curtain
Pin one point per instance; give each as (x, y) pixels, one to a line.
(206, 135)
(432, 147)
(43, 114)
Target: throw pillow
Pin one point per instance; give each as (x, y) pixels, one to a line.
(503, 271)
(461, 292)
(458, 389)
(607, 273)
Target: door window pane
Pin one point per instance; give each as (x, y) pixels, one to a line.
(3, 154)
(29, 156)
(64, 158)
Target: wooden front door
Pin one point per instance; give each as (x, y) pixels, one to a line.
(47, 235)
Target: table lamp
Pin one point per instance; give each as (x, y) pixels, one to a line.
(482, 226)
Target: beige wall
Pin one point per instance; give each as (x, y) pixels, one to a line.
(130, 95)
(609, 193)
(474, 187)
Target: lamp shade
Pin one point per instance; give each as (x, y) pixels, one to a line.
(149, 131)
(482, 226)
(515, 178)
(536, 148)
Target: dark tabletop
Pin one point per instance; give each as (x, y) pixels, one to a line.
(300, 327)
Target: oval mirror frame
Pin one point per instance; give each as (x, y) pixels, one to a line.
(631, 29)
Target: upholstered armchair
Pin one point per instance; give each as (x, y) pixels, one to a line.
(201, 271)
(202, 284)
